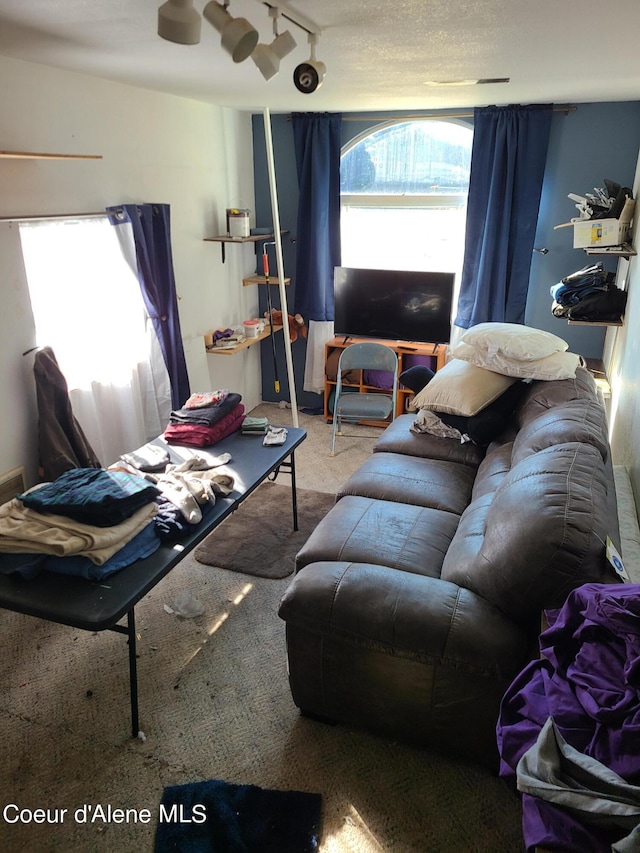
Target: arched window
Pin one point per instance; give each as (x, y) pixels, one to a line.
(403, 188)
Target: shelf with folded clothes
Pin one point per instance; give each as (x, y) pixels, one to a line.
(590, 296)
(247, 342)
(596, 322)
(626, 250)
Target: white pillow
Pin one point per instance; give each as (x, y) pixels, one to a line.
(460, 388)
(558, 365)
(521, 343)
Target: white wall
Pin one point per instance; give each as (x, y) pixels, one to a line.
(155, 148)
(622, 358)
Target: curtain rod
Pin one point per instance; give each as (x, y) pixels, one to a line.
(560, 108)
(53, 216)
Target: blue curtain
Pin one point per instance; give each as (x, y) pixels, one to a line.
(317, 140)
(507, 167)
(152, 236)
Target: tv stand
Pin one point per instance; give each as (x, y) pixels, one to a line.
(405, 350)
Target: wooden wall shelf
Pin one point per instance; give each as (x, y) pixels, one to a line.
(260, 279)
(247, 342)
(32, 155)
(225, 238)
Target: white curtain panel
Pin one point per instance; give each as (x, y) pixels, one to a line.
(320, 332)
(88, 308)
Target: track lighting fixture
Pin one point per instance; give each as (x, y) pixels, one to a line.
(267, 56)
(179, 22)
(308, 76)
(238, 37)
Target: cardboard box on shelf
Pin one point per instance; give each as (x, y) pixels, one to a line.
(599, 232)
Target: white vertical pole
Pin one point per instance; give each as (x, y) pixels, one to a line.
(278, 241)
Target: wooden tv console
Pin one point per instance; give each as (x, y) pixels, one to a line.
(402, 350)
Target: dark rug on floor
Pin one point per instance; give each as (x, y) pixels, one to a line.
(258, 539)
(217, 817)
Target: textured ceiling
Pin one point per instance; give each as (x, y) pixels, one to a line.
(378, 54)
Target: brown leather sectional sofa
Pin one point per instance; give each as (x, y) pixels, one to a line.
(418, 597)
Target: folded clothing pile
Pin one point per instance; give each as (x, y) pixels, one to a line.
(206, 424)
(474, 395)
(589, 294)
(103, 519)
(255, 426)
(185, 489)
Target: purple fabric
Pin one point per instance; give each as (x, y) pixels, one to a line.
(378, 378)
(588, 680)
(411, 360)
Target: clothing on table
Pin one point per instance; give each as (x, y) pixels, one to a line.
(142, 545)
(207, 415)
(26, 531)
(170, 524)
(92, 496)
(205, 398)
(199, 435)
(189, 490)
(149, 458)
(255, 426)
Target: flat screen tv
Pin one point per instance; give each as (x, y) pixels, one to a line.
(396, 305)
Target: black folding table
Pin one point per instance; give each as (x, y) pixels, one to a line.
(101, 605)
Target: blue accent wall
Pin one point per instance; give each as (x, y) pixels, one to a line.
(587, 145)
(594, 142)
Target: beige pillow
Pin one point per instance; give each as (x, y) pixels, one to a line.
(461, 388)
(558, 365)
(512, 340)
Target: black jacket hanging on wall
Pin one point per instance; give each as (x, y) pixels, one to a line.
(62, 444)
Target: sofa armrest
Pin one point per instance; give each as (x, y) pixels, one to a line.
(411, 657)
(405, 614)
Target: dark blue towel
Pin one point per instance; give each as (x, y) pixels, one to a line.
(237, 819)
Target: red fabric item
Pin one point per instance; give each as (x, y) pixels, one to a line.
(198, 435)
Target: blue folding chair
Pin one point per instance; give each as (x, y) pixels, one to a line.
(364, 406)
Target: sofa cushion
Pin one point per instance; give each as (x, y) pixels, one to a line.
(493, 469)
(398, 438)
(577, 420)
(461, 388)
(415, 538)
(542, 396)
(513, 340)
(407, 479)
(541, 534)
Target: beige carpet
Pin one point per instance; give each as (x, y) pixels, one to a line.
(215, 703)
(259, 539)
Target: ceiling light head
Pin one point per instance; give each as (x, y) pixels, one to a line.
(268, 56)
(238, 37)
(308, 76)
(179, 22)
